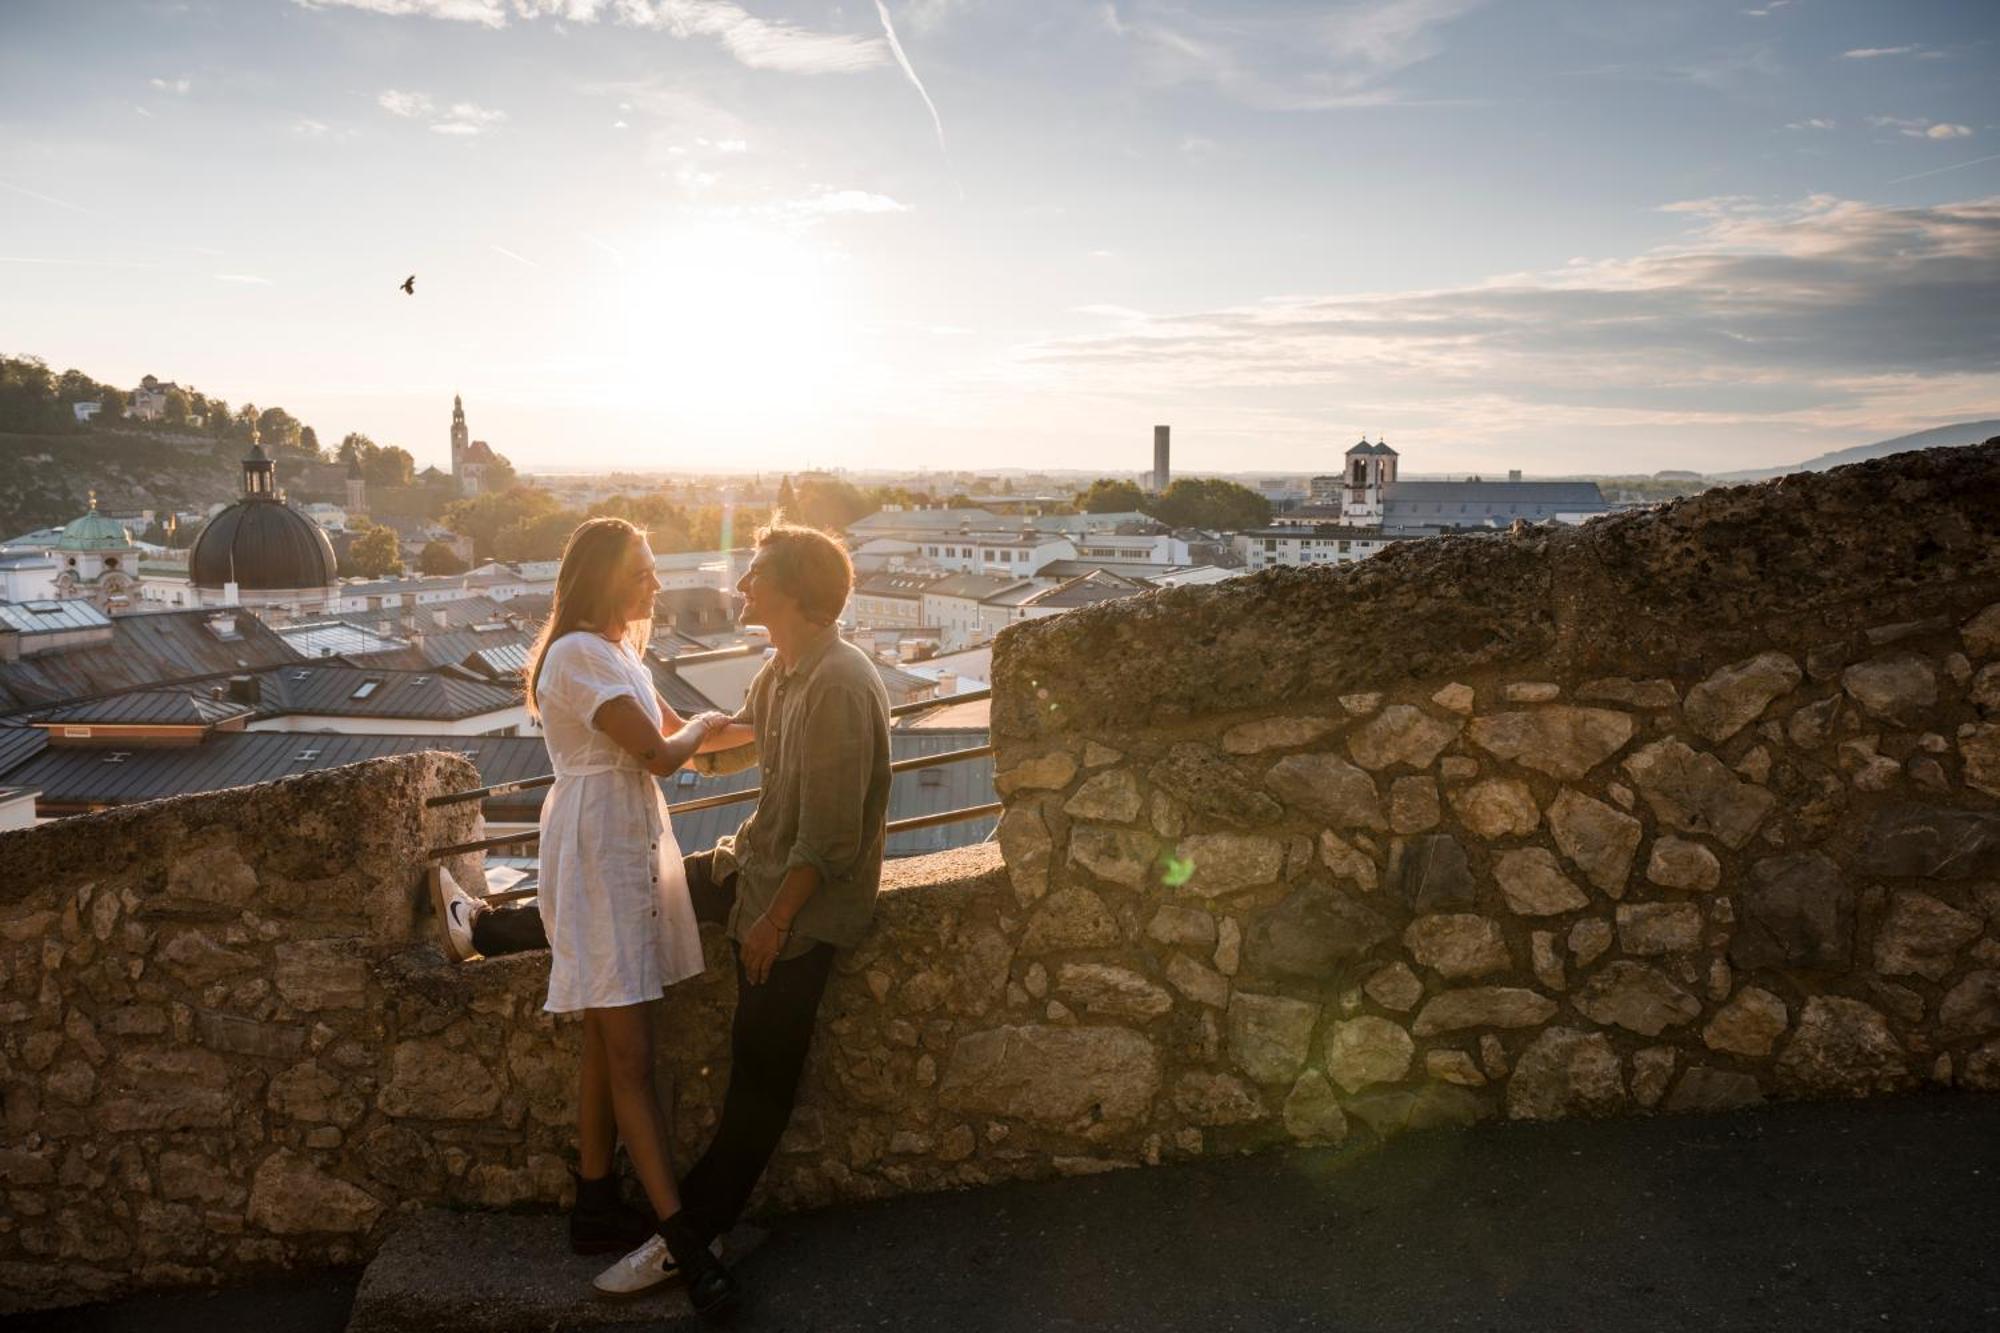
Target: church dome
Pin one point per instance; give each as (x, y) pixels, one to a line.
(94, 532)
(260, 543)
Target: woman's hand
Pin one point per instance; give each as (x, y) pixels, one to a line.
(762, 944)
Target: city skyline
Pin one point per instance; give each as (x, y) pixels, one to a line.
(697, 235)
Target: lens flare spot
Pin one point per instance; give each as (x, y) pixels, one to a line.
(1179, 869)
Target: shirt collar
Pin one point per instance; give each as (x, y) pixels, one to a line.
(815, 648)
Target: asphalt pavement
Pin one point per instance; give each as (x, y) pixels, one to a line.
(1868, 1215)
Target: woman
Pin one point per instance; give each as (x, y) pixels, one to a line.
(613, 896)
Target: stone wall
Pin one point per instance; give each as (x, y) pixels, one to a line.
(1678, 810)
(192, 1018)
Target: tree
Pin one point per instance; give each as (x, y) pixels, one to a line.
(374, 554)
(178, 408)
(112, 403)
(354, 447)
(1106, 496)
(439, 559)
(482, 517)
(388, 466)
(1210, 502)
(279, 429)
(830, 505)
(539, 538)
(309, 440)
(788, 501)
(217, 417)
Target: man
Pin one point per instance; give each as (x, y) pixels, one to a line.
(793, 884)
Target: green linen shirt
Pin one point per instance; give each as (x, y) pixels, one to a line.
(823, 739)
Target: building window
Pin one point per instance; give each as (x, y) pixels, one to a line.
(366, 688)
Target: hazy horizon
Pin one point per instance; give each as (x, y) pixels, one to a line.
(662, 235)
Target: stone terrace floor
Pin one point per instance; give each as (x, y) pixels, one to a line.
(1876, 1215)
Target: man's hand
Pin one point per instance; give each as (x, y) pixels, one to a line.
(710, 722)
(761, 945)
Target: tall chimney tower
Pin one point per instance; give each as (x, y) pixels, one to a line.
(1160, 470)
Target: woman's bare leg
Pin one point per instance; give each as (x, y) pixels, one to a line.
(596, 1125)
(627, 1037)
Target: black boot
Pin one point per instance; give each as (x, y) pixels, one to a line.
(710, 1287)
(602, 1222)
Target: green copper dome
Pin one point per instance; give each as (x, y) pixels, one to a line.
(94, 532)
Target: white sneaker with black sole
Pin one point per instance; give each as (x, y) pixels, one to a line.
(646, 1269)
(455, 909)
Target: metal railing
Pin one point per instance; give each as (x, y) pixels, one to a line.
(529, 836)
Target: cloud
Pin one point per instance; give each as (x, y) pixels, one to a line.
(1312, 61)
(178, 87)
(1918, 128)
(758, 43)
(1814, 123)
(405, 104)
(1877, 52)
(460, 118)
(910, 72)
(1800, 313)
(467, 118)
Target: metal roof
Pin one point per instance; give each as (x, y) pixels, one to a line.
(104, 776)
(442, 648)
(897, 583)
(262, 543)
(324, 689)
(151, 648)
(973, 586)
(459, 613)
(51, 617)
(149, 708)
(1504, 494)
(331, 638)
(924, 520)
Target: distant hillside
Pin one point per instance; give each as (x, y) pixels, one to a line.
(46, 480)
(1941, 437)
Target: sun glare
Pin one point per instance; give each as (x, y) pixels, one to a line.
(730, 322)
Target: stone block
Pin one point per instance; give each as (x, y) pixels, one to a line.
(290, 1196)
(321, 974)
(1566, 1072)
(1212, 787)
(1431, 873)
(1347, 862)
(1483, 1007)
(1025, 848)
(1534, 885)
(1072, 918)
(1497, 808)
(1216, 864)
(1312, 1110)
(1692, 792)
(1799, 913)
(1458, 946)
(1636, 997)
(1921, 936)
(1189, 926)
(1116, 856)
(1203, 1097)
(1737, 695)
(1328, 789)
(1269, 1035)
(1703, 1089)
(1560, 740)
(430, 1081)
(1051, 772)
(1598, 840)
(1971, 1008)
(1101, 989)
(1749, 1025)
(1650, 929)
(1401, 734)
(1930, 842)
(1315, 930)
(1052, 1075)
(1898, 688)
(1112, 797)
(1842, 1047)
(1365, 1050)
(1679, 863)
(1413, 804)
(1394, 987)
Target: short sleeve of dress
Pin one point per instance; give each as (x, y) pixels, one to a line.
(589, 673)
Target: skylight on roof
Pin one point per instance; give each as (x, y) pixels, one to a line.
(305, 756)
(366, 688)
(117, 756)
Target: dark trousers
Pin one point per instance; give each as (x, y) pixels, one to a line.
(767, 1048)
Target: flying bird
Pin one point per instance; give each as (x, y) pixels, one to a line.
(409, 285)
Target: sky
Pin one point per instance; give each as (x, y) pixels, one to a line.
(1604, 236)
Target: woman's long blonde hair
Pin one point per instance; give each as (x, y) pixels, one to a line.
(585, 594)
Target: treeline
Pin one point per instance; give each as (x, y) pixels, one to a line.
(1188, 502)
(34, 400)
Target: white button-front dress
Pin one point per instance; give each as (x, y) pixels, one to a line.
(613, 895)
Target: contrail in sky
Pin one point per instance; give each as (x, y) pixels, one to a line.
(1941, 170)
(519, 259)
(896, 48)
(51, 199)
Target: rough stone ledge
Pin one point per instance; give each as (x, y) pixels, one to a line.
(1674, 590)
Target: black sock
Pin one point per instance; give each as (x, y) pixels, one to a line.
(597, 1196)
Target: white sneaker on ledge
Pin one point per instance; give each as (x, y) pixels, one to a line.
(646, 1269)
(455, 909)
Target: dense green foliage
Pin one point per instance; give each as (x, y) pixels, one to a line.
(1189, 502)
(438, 559)
(373, 554)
